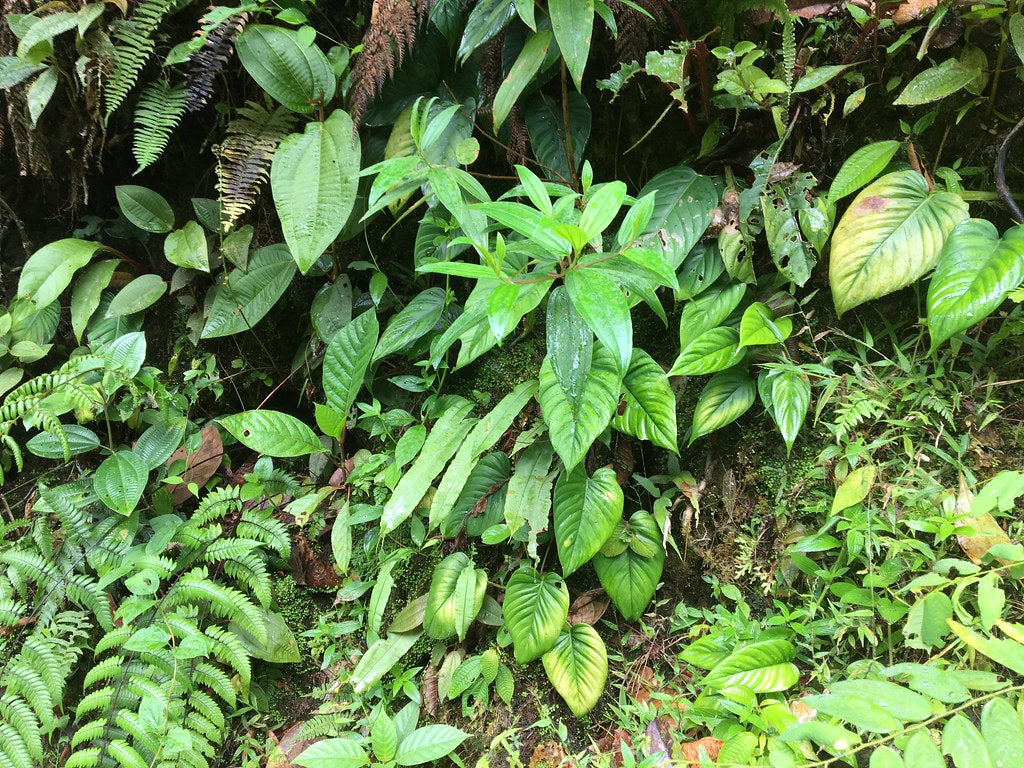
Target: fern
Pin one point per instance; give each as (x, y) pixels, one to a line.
(208, 62)
(243, 159)
(133, 45)
(158, 112)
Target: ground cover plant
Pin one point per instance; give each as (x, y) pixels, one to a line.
(511, 382)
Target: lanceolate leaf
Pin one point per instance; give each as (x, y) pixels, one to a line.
(120, 480)
(577, 666)
(522, 72)
(48, 445)
(586, 510)
(709, 310)
(528, 498)
(631, 577)
(891, 235)
(605, 309)
(535, 610)
(347, 358)
(85, 297)
(762, 667)
(976, 270)
(573, 25)
(456, 594)
(712, 351)
(409, 325)
(295, 74)
(573, 427)
(570, 344)
(314, 178)
(861, 168)
(725, 398)
(247, 296)
(49, 270)
(272, 433)
(650, 412)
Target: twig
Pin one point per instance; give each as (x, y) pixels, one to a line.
(1001, 186)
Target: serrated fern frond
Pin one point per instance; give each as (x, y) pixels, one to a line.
(158, 112)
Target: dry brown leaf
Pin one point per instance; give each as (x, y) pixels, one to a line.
(802, 712)
(912, 10)
(549, 754)
(987, 532)
(611, 744)
(200, 465)
(589, 607)
(691, 750)
(282, 752)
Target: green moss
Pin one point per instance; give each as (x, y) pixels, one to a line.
(492, 376)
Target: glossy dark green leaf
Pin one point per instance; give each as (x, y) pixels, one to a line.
(712, 351)
(650, 403)
(586, 510)
(786, 395)
(487, 19)
(347, 358)
(145, 208)
(535, 611)
(408, 326)
(683, 204)
(570, 343)
(521, 74)
(726, 397)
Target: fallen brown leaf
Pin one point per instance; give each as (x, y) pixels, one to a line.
(589, 607)
(612, 744)
(691, 750)
(912, 10)
(200, 465)
(987, 532)
(549, 754)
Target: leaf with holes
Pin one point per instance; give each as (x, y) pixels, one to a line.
(120, 480)
(683, 204)
(347, 358)
(456, 595)
(577, 666)
(574, 426)
(586, 510)
(891, 235)
(631, 577)
(726, 397)
(975, 271)
(535, 610)
(272, 433)
(650, 403)
(314, 178)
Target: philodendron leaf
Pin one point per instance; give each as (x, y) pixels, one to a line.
(535, 610)
(577, 665)
(456, 595)
(314, 178)
(631, 577)
(976, 270)
(725, 398)
(348, 355)
(650, 412)
(786, 395)
(762, 667)
(890, 236)
(120, 480)
(574, 425)
(586, 510)
(272, 433)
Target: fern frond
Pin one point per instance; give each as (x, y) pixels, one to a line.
(243, 159)
(157, 113)
(133, 45)
(208, 62)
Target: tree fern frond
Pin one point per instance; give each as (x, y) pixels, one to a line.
(133, 45)
(157, 113)
(243, 159)
(208, 62)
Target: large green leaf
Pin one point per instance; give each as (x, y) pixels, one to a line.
(726, 397)
(347, 358)
(158, 442)
(712, 351)
(570, 344)
(891, 235)
(49, 270)
(186, 247)
(457, 590)
(488, 18)
(444, 439)
(786, 395)
(573, 25)
(1003, 731)
(683, 204)
(49, 446)
(546, 126)
(314, 178)
(294, 73)
(429, 743)
(408, 326)
(631, 577)
(120, 480)
(141, 293)
(976, 270)
(86, 295)
(650, 412)
(521, 74)
(144, 208)
(962, 741)
(380, 657)
(247, 296)
(604, 307)
(762, 667)
(574, 426)
(272, 433)
(858, 711)
(937, 82)
(586, 510)
(344, 752)
(577, 666)
(535, 610)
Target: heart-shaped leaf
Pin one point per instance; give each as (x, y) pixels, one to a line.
(186, 247)
(786, 395)
(586, 511)
(577, 665)
(650, 412)
(976, 270)
(535, 610)
(314, 178)
(456, 594)
(631, 577)
(573, 426)
(890, 236)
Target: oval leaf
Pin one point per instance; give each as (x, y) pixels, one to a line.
(272, 433)
(725, 398)
(577, 666)
(586, 510)
(145, 208)
(295, 74)
(535, 610)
